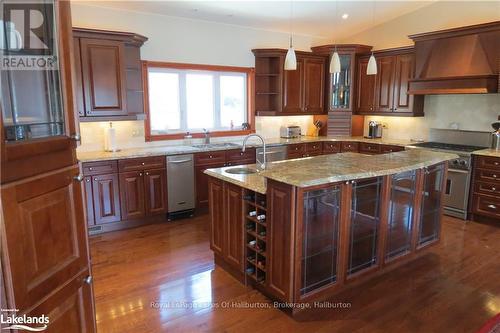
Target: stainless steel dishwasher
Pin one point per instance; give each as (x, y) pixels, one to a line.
(180, 185)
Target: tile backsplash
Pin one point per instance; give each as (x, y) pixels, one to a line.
(466, 112)
(130, 134)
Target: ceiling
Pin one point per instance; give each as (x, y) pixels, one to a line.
(321, 19)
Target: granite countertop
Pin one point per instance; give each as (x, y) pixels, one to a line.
(324, 169)
(180, 149)
(487, 152)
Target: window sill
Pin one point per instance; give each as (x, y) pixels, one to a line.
(215, 134)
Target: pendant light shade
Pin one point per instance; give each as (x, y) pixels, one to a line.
(335, 63)
(290, 60)
(371, 69)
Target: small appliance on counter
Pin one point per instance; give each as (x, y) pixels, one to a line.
(289, 132)
(495, 136)
(374, 130)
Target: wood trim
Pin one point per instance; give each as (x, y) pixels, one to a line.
(127, 37)
(471, 29)
(250, 71)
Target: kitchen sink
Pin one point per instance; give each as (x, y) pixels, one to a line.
(241, 171)
(217, 145)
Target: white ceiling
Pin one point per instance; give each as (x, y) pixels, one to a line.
(321, 19)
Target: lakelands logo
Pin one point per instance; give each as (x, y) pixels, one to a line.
(24, 322)
(27, 35)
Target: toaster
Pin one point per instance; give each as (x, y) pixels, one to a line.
(289, 132)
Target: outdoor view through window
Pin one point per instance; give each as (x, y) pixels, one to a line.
(189, 100)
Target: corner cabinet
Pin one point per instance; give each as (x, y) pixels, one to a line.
(386, 93)
(297, 92)
(108, 74)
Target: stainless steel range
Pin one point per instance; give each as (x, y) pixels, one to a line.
(462, 143)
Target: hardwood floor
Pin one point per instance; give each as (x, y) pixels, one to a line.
(137, 273)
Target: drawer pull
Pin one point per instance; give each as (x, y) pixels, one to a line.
(492, 206)
(493, 189)
(496, 163)
(140, 174)
(142, 163)
(91, 168)
(210, 156)
(494, 176)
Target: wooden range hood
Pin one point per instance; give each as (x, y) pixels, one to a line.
(457, 61)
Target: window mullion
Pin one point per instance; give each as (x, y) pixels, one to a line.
(217, 107)
(183, 100)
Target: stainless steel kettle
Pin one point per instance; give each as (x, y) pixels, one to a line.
(495, 136)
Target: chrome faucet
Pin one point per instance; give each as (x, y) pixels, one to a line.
(207, 136)
(263, 165)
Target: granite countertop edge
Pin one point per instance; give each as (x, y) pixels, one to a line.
(95, 156)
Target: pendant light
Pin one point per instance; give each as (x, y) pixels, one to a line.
(371, 69)
(290, 59)
(335, 59)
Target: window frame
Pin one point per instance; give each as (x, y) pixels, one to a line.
(250, 74)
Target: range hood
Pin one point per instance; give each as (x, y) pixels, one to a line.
(457, 61)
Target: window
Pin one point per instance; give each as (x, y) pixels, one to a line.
(189, 98)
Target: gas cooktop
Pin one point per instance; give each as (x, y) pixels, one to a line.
(449, 146)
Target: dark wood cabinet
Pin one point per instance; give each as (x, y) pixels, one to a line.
(314, 85)
(89, 200)
(485, 193)
(365, 88)
(215, 190)
(289, 92)
(155, 182)
(369, 148)
(349, 146)
(233, 222)
(132, 196)
(103, 72)
(386, 93)
(106, 198)
(108, 74)
(384, 86)
(293, 87)
(331, 147)
(45, 264)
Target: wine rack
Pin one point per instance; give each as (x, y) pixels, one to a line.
(255, 235)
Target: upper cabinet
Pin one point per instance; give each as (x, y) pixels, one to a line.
(386, 93)
(297, 92)
(108, 74)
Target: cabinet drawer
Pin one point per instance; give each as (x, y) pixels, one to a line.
(292, 155)
(313, 148)
(369, 148)
(331, 147)
(349, 146)
(134, 164)
(487, 175)
(488, 162)
(236, 157)
(99, 168)
(208, 158)
(384, 149)
(487, 188)
(296, 148)
(486, 205)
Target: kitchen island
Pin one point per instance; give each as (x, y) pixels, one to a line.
(303, 230)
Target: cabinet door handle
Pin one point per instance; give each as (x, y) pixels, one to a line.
(78, 178)
(76, 137)
(494, 176)
(87, 180)
(142, 163)
(493, 189)
(88, 279)
(95, 179)
(140, 174)
(496, 163)
(147, 173)
(492, 206)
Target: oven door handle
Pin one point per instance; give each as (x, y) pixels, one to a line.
(458, 171)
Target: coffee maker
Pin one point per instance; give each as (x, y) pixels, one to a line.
(374, 130)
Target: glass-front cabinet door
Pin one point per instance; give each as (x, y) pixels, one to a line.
(365, 224)
(320, 239)
(400, 216)
(430, 210)
(36, 102)
(340, 85)
(30, 75)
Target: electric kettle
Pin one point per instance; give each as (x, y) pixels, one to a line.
(495, 136)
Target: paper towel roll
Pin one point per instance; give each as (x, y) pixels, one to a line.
(110, 138)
